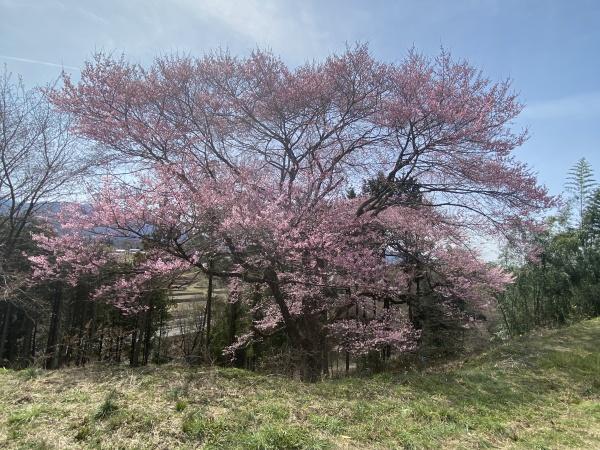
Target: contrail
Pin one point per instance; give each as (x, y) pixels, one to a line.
(35, 61)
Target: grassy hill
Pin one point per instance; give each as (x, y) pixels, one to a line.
(542, 391)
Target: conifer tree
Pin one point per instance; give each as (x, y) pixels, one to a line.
(581, 184)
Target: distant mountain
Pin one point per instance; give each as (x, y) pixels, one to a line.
(53, 208)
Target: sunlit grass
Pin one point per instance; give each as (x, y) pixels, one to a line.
(536, 392)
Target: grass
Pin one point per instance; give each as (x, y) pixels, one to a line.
(108, 407)
(540, 391)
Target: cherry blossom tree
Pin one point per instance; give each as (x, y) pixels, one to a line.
(239, 168)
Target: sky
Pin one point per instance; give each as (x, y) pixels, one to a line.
(549, 48)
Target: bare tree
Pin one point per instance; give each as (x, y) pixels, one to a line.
(39, 164)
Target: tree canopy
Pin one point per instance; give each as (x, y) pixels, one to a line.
(240, 168)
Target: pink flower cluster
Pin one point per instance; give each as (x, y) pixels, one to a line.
(242, 168)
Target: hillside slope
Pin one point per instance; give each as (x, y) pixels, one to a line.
(538, 392)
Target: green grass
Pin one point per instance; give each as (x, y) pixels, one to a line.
(537, 392)
(108, 407)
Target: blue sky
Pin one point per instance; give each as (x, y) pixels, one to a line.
(551, 49)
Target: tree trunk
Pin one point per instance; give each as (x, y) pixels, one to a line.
(100, 344)
(52, 350)
(324, 347)
(14, 333)
(305, 337)
(160, 334)
(231, 321)
(311, 365)
(4, 333)
(34, 340)
(79, 359)
(28, 327)
(119, 347)
(209, 295)
(232, 317)
(134, 356)
(148, 333)
(133, 353)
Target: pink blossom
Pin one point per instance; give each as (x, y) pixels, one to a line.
(244, 163)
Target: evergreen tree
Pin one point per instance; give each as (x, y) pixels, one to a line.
(581, 184)
(591, 219)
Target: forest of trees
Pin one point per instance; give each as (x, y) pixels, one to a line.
(560, 282)
(335, 203)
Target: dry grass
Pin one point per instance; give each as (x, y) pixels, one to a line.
(538, 392)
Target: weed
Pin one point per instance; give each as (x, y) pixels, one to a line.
(26, 415)
(177, 392)
(37, 445)
(326, 423)
(108, 407)
(29, 373)
(204, 428)
(83, 432)
(279, 437)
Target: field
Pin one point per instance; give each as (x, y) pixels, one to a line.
(541, 391)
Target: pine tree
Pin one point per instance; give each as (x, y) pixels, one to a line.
(591, 219)
(581, 185)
